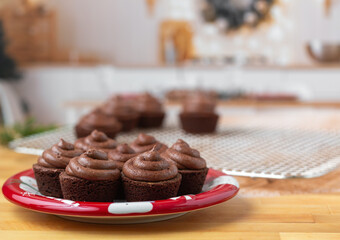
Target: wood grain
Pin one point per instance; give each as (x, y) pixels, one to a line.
(285, 217)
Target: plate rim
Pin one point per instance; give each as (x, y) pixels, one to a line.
(181, 204)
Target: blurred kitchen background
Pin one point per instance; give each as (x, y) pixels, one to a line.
(59, 58)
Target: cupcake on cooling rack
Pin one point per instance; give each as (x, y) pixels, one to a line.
(190, 165)
(123, 111)
(96, 140)
(146, 142)
(198, 114)
(97, 120)
(149, 177)
(122, 154)
(150, 110)
(91, 177)
(50, 164)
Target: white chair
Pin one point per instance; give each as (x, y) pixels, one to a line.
(11, 108)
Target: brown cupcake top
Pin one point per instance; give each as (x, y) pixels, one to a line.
(150, 167)
(185, 157)
(93, 165)
(148, 103)
(199, 103)
(122, 154)
(98, 120)
(59, 155)
(96, 140)
(117, 106)
(145, 143)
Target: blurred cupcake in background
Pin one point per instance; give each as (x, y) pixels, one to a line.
(151, 111)
(198, 113)
(122, 110)
(97, 120)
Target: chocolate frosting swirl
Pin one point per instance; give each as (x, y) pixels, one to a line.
(93, 165)
(146, 142)
(59, 155)
(98, 120)
(184, 156)
(96, 140)
(149, 167)
(148, 103)
(117, 106)
(199, 103)
(122, 154)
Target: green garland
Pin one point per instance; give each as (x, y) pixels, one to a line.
(19, 130)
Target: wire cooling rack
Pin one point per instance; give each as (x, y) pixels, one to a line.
(271, 152)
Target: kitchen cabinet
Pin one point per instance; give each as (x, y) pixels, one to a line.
(47, 88)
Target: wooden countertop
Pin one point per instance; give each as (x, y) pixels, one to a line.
(300, 217)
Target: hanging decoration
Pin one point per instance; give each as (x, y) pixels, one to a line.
(151, 6)
(235, 14)
(328, 5)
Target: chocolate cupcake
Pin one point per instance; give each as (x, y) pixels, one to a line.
(198, 114)
(97, 120)
(53, 162)
(149, 177)
(150, 110)
(123, 111)
(96, 140)
(91, 177)
(122, 154)
(146, 142)
(190, 165)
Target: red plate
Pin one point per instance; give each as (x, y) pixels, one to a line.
(21, 189)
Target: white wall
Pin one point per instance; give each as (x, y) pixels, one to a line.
(121, 31)
(117, 31)
(311, 23)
